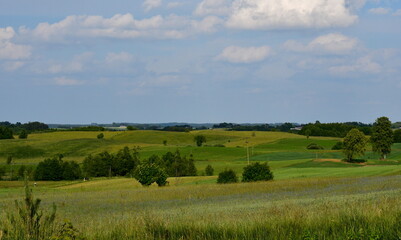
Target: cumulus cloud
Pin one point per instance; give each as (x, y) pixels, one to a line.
(64, 81)
(10, 50)
(333, 43)
(379, 11)
(279, 14)
(235, 54)
(150, 4)
(361, 65)
(213, 7)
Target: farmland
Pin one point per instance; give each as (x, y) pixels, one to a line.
(314, 193)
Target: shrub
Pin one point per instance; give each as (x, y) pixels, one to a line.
(219, 145)
(257, 172)
(100, 136)
(23, 134)
(338, 146)
(209, 170)
(149, 173)
(227, 176)
(314, 146)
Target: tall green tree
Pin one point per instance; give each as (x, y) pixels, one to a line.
(354, 144)
(199, 140)
(382, 137)
(6, 133)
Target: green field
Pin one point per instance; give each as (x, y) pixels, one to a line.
(315, 195)
(285, 152)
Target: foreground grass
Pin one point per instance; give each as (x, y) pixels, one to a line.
(315, 208)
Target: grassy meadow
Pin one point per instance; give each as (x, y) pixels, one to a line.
(315, 195)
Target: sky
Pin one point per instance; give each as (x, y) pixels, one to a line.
(200, 61)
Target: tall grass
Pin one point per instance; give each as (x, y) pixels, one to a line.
(324, 208)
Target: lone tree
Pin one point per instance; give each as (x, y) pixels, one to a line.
(199, 139)
(209, 170)
(382, 137)
(354, 144)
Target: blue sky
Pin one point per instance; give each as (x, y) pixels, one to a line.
(200, 61)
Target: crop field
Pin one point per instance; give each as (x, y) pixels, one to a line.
(314, 195)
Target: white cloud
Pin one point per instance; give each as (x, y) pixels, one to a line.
(119, 27)
(380, 11)
(213, 7)
(77, 64)
(10, 50)
(64, 81)
(333, 43)
(116, 58)
(150, 4)
(208, 24)
(6, 33)
(235, 54)
(361, 65)
(279, 14)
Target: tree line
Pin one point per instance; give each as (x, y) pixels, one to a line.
(8, 130)
(125, 162)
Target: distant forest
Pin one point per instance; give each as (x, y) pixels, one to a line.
(7, 129)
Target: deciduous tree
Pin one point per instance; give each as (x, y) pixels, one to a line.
(354, 144)
(382, 137)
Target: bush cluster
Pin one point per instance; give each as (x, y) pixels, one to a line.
(257, 172)
(227, 176)
(252, 173)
